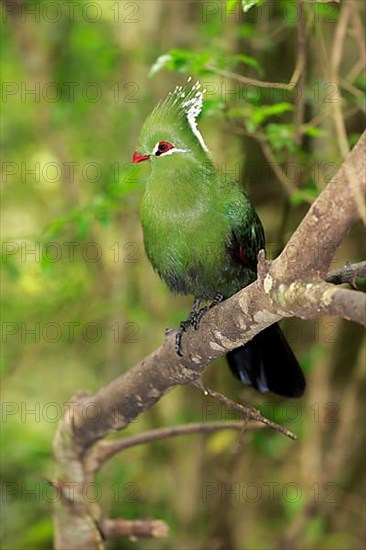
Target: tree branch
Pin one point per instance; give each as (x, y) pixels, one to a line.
(347, 274)
(104, 450)
(311, 248)
(312, 299)
(122, 528)
(251, 412)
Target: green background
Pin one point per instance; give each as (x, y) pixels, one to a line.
(76, 89)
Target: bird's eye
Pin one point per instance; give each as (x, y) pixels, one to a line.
(163, 147)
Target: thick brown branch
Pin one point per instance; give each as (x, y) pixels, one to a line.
(312, 299)
(224, 328)
(313, 245)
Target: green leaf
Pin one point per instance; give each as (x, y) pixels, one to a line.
(281, 136)
(256, 115)
(279, 108)
(249, 4)
(312, 131)
(212, 107)
(247, 60)
(181, 61)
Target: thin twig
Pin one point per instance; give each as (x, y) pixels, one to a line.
(357, 68)
(336, 57)
(276, 167)
(272, 161)
(301, 60)
(254, 82)
(104, 450)
(351, 88)
(133, 529)
(251, 412)
(319, 118)
(359, 33)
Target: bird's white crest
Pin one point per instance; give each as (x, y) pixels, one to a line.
(191, 107)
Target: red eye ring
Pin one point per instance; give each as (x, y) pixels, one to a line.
(164, 147)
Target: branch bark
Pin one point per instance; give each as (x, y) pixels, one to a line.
(348, 274)
(118, 528)
(292, 285)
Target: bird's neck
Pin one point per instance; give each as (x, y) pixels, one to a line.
(181, 183)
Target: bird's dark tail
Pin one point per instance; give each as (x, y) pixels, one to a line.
(267, 363)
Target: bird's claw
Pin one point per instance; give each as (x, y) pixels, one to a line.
(197, 317)
(178, 343)
(178, 337)
(194, 320)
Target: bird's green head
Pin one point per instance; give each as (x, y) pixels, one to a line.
(171, 129)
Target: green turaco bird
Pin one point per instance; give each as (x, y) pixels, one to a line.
(202, 235)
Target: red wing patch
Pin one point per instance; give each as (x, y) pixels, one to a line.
(243, 257)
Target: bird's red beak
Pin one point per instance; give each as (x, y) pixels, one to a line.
(138, 157)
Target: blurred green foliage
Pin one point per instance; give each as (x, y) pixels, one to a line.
(82, 304)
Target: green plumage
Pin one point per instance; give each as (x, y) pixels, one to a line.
(190, 226)
(192, 218)
(202, 234)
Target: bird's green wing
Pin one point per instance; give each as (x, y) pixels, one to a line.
(247, 235)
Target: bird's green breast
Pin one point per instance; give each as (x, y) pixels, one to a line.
(187, 251)
(187, 229)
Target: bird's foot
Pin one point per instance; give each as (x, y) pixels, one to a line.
(194, 320)
(197, 316)
(184, 325)
(178, 337)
